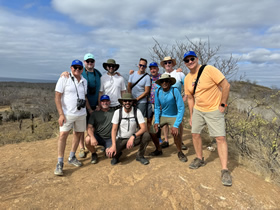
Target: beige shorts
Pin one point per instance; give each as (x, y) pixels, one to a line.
(214, 120)
(78, 123)
(165, 121)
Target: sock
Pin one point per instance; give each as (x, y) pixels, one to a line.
(60, 159)
(72, 154)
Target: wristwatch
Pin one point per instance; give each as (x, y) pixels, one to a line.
(134, 135)
(223, 105)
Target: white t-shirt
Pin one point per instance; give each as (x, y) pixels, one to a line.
(139, 88)
(112, 86)
(179, 76)
(69, 97)
(126, 128)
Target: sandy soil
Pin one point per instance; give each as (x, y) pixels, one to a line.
(27, 182)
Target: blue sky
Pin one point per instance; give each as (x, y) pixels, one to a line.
(40, 38)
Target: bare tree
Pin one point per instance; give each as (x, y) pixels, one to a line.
(204, 51)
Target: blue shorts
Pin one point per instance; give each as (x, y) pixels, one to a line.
(104, 142)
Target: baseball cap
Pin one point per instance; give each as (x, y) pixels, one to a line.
(77, 63)
(88, 56)
(104, 97)
(190, 53)
(153, 64)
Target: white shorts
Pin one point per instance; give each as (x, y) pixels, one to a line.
(78, 123)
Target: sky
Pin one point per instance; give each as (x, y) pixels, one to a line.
(40, 38)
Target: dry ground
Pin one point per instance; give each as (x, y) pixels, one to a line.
(27, 182)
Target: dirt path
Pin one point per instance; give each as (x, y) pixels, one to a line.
(27, 182)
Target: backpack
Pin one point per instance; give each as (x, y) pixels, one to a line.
(121, 118)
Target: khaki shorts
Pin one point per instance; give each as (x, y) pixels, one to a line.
(78, 123)
(214, 120)
(165, 121)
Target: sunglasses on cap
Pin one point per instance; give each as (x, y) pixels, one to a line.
(167, 62)
(144, 66)
(188, 60)
(78, 67)
(90, 61)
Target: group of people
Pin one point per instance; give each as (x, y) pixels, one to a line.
(114, 115)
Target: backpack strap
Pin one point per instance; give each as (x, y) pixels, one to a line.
(198, 75)
(120, 119)
(135, 116)
(172, 93)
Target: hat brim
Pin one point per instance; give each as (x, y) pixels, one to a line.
(126, 99)
(106, 64)
(173, 80)
(173, 62)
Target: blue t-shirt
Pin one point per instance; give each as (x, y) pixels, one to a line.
(139, 88)
(168, 106)
(93, 79)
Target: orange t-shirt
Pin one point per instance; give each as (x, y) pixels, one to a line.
(207, 94)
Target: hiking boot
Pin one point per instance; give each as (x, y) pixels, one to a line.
(94, 158)
(102, 149)
(197, 163)
(58, 170)
(184, 147)
(115, 159)
(226, 177)
(182, 157)
(155, 153)
(74, 161)
(82, 153)
(165, 144)
(142, 160)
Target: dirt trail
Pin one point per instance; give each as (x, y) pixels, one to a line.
(27, 182)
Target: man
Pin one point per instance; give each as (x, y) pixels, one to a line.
(112, 84)
(168, 64)
(207, 106)
(125, 133)
(169, 110)
(99, 128)
(141, 88)
(70, 100)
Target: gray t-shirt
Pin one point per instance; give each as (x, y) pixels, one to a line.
(101, 121)
(139, 88)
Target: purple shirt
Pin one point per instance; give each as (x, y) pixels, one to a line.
(153, 88)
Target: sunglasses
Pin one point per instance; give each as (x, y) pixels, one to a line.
(111, 66)
(127, 101)
(165, 80)
(144, 66)
(90, 61)
(188, 60)
(167, 62)
(78, 67)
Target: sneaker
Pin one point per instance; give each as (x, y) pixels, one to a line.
(115, 159)
(82, 153)
(155, 153)
(182, 157)
(142, 160)
(160, 140)
(102, 149)
(165, 144)
(197, 163)
(226, 178)
(74, 161)
(184, 147)
(94, 158)
(58, 170)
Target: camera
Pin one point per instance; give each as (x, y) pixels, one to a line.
(81, 103)
(91, 91)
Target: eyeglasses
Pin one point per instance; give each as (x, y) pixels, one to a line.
(167, 62)
(188, 60)
(90, 61)
(144, 66)
(165, 80)
(78, 67)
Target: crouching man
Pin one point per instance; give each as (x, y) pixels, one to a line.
(99, 128)
(125, 132)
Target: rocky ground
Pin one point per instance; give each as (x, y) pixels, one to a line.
(27, 182)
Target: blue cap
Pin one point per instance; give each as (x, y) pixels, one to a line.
(190, 53)
(153, 64)
(77, 63)
(104, 97)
